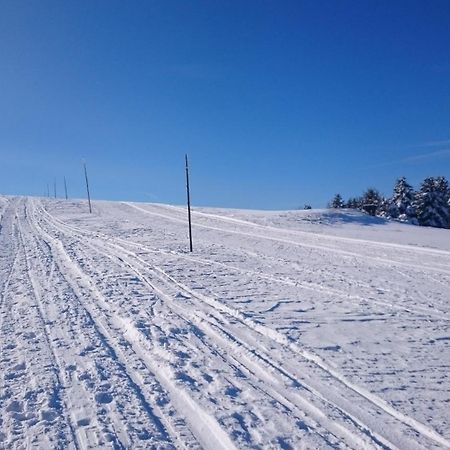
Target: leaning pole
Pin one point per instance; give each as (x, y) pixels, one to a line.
(188, 202)
(87, 187)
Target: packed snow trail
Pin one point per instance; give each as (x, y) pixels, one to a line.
(270, 337)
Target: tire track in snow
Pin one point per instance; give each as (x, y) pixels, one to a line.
(281, 339)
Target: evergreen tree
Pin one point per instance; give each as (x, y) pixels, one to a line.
(337, 202)
(402, 202)
(354, 203)
(384, 208)
(432, 203)
(371, 201)
(448, 204)
(371, 196)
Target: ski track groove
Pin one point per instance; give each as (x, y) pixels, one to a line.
(422, 429)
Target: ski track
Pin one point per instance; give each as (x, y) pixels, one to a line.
(260, 370)
(208, 422)
(110, 343)
(151, 433)
(279, 338)
(39, 404)
(58, 398)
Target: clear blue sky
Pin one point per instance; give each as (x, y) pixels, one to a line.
(278, 103)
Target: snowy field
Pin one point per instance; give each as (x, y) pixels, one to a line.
(300, 329)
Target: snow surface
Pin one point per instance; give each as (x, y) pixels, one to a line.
(298, 329)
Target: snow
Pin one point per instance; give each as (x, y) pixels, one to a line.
(283, 329)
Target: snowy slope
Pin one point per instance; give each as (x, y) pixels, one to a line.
(300, 329)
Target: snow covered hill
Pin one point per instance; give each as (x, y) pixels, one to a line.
(298, 329)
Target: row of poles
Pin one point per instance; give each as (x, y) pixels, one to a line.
(54, 189)
(65, 188)
(188, 194)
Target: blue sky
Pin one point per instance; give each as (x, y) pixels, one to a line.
(278, 103)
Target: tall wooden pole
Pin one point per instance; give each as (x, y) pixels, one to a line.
(48, 191)
(188, 202)
(65, 187)
(87, 187)
(54, 187)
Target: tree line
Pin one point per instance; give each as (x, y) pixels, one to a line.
(428, 206)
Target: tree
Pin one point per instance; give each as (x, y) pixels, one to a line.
(354, 203)
(432, 203)
(448, 204)
(337, 202)
(371, 201)
(384, 208)
(430, 206)
(402, 202)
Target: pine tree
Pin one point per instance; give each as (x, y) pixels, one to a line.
(384, 208)
(448, 204)
(371, 201)
(337, 202)
(432, 203)
(402, 202)
(442, 202)
(372, 196)
(354, 203)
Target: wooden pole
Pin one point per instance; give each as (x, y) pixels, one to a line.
(65, 187)
(48, 191)
(54, 187)
(87, 187)
(188, 202)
